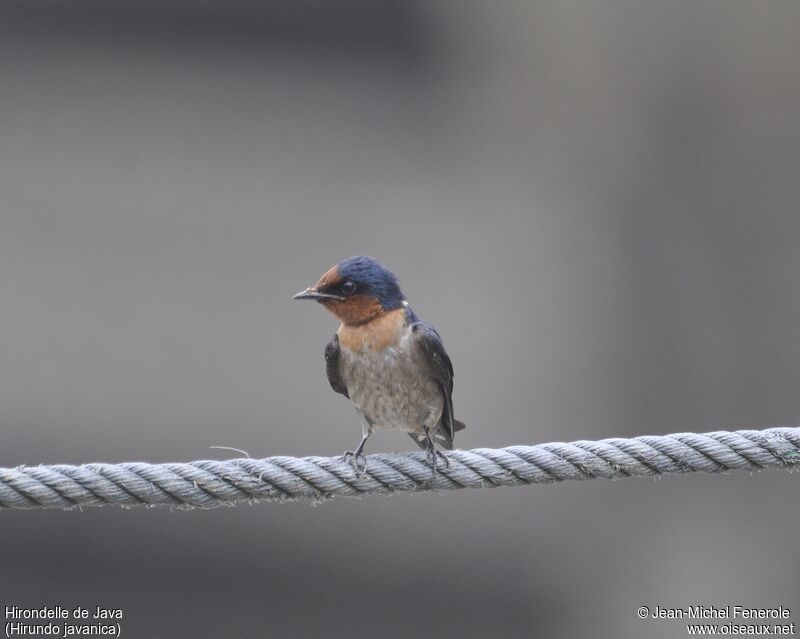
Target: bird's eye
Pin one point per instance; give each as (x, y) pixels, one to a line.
(348, 288)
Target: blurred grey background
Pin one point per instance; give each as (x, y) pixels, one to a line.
(595, 203)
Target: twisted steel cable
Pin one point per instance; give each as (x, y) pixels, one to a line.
(212, 483)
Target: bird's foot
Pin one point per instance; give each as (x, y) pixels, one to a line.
(432, 456)
(356, 458)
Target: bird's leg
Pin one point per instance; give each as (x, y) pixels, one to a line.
(358, 453)
(433, 453)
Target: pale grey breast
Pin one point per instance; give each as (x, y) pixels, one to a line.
(391, 386)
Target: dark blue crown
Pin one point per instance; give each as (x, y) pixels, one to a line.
(372, 279)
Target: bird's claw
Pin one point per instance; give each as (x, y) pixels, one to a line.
(354, 457)
(432, 456)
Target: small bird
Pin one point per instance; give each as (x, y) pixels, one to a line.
(389, 363)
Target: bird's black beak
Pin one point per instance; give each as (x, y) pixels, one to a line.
(313, 294)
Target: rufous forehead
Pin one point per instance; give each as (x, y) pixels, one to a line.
(331, 276)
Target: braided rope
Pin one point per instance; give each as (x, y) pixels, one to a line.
(209, 483)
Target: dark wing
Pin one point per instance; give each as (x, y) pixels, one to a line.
(332, 351)
(441, 368)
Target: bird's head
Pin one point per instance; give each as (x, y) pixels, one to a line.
(356, 290)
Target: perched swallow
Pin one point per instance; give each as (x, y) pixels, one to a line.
(389, 363)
